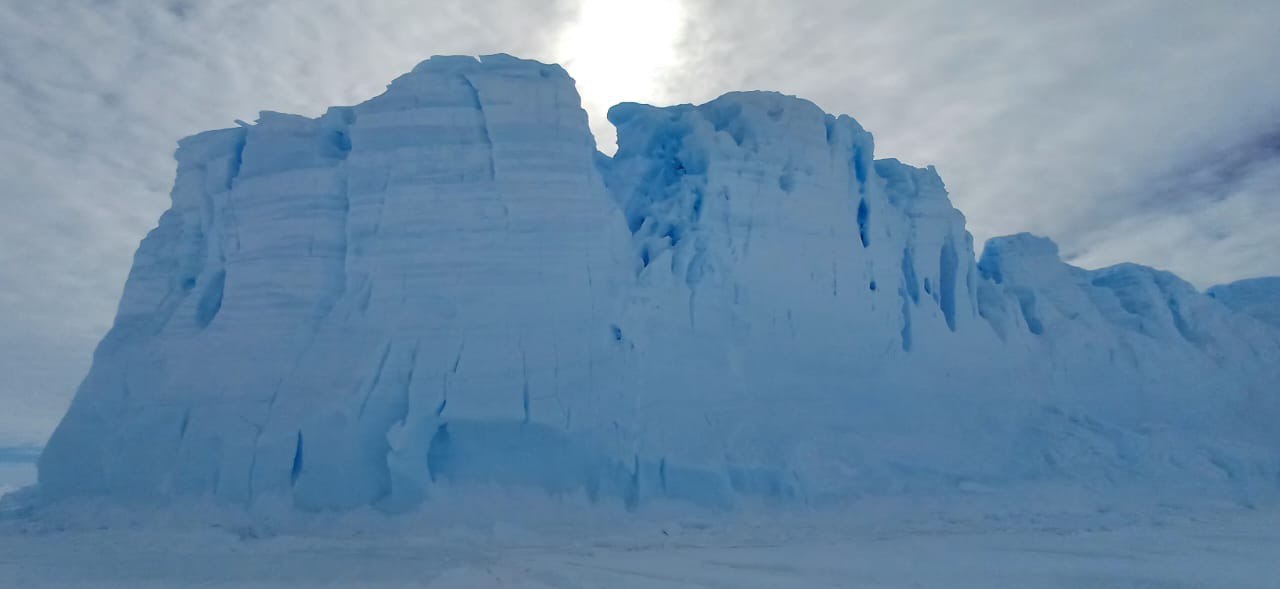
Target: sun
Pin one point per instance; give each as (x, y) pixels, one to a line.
(618, 51)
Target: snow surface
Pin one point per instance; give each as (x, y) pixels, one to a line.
(877, 544)
(447, 287)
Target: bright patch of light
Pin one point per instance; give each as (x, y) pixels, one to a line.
(618, 51)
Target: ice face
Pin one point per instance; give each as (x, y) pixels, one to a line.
(448, 285)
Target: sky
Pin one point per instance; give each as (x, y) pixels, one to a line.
(1139, 130)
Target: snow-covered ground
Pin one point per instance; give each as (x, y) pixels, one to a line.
(891, 544)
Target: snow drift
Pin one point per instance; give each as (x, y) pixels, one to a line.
(448, 285)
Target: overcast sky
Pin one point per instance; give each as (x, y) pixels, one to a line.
(1140, 130)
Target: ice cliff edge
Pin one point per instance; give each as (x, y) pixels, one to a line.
(447, 285)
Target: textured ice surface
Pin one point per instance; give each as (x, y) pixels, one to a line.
(447, 286)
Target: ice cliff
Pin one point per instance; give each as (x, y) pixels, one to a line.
(447, 285)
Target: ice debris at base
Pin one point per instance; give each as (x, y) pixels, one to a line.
(447, 285)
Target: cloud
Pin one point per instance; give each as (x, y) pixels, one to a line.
(1219, 217)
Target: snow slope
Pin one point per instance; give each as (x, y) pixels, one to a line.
(447, 286)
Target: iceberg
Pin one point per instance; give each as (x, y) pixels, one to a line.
(447, 285)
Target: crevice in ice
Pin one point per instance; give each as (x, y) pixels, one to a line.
(524, 388)
(693, 324)
(971, 287)
(237, 159)
(947, 283)
(835, 279)
(906, 319)
(270, 411)
(253, 463)
(1027, 303)
(408, 379)
(864, 219)
(457, 359)
(438, 450)
(909, 279)
(296, 470)
(188, 258)
(631, 497)
(524, 399)
(364, 296)
(787, 182)
(377, 378)
(991, 307)
(211, 299)
(861, 166)
(1180, 323)
(698, 266)
(340, 139)
(484, 124)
